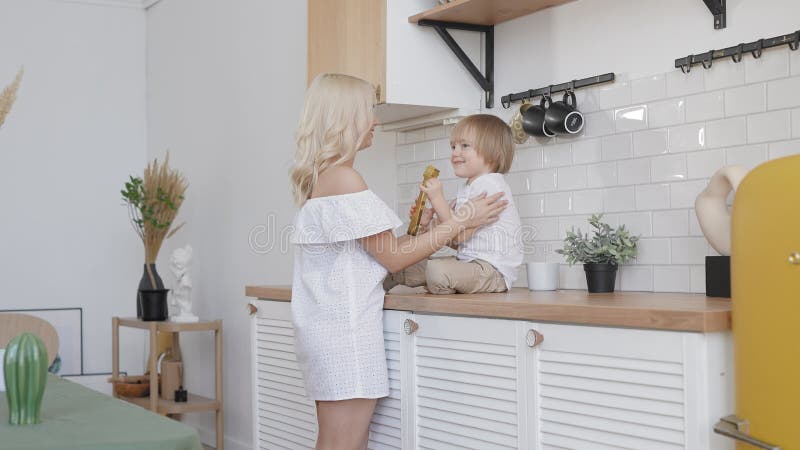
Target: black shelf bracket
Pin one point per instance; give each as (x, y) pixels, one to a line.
(717, 8)
(485, 81)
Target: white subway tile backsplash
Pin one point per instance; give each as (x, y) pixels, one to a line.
(694, 224)
(697, 279)
(614, 95)
(572, 177)
(442, 148)
(599, 123)
(619, 199)
(686, 138)
(671, 278)
(649, 88)
(572, 277)
(786, 148)
(726, 132)
(631, 118)
(558, 203)
(783, 93)
(794, 62)
(617, 146)
(587, 151)
(552, 257)
(545, 228)
(638, 223)
(518, 182)
(633, 171)
(434, 132)
(683, 194)
(649, 142)
(689, 250)
(704, 163)
(795, 123)
(652, 196)
(772, 64)
(770, 126)
(404, 154)
(668, 168)
(602, 175)
(653, 251)
(709, 105)
(401, 174)
(572, 223)
(636, 278)
(587, 100)
(530, 205)
(527, 159)
(543, 180)
(745, 100)
(670, 223)
(414, 136)
(724, 74)
(587, 202)
(667, 113)
(748, 155)
(557, 155)
(407, 193)
(679, 83)
(424, 151)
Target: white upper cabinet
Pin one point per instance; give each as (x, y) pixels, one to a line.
(414, 72)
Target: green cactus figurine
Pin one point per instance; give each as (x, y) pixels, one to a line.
(25, 366)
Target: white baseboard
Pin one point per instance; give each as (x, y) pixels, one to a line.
(208, 437)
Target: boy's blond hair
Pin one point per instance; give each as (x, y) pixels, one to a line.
(491, 138)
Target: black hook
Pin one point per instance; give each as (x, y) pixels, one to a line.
(757, 51)
(506, 101)
(794, 43)
(737, 57)
(708, 58)
(686, 68)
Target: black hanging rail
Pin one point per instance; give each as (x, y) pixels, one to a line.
(506, 100)
(736, 52)
(486, 82)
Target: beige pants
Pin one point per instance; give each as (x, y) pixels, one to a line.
(449, 276)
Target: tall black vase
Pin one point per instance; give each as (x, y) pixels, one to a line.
(144, 285)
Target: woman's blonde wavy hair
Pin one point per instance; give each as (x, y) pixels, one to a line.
(337, 115)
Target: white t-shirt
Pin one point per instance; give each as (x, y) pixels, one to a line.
(499, 244)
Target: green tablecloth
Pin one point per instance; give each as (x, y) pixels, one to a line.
(75, 417)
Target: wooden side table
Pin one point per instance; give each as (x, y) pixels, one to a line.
(156, 404)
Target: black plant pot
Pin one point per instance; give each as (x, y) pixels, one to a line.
(144, 285)
(600, 277)
(153, 304)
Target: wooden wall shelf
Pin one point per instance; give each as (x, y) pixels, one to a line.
(484, 12)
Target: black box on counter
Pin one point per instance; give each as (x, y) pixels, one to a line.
(718, 276)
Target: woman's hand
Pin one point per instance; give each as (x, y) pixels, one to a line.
(480, 210)
(425, 219)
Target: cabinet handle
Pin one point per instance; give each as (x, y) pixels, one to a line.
(252, 308)
(794, 258)
(739, 429)
(409, 326)
(534, 338)
(378, 93)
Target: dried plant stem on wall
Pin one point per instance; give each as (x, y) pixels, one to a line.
(9, 95)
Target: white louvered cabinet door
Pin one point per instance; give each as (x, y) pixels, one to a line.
(386, 429)
(284, 417)
(465, 376)
(608, 388)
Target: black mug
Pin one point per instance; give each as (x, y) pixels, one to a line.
(562, 117)
(533, 119)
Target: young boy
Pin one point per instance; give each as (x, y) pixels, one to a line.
(487, 258)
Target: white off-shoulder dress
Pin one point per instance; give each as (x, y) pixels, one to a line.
(337, 296)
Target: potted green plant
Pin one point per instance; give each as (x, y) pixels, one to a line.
(600, 253)
(153, 202)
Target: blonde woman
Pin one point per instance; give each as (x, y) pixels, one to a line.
(344, 249)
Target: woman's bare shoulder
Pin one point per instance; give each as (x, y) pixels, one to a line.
(338, 180)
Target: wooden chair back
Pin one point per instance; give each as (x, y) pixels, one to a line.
(13, 324)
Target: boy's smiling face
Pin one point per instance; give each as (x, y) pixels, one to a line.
(466, 161)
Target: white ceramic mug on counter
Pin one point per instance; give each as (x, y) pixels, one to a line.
(542, 276)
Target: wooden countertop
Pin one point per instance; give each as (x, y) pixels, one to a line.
(648, 310)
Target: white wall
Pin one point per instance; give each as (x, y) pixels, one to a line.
(74, 135)
(225, 86)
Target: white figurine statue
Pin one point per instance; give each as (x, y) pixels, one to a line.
(712, 211)
(181, 299)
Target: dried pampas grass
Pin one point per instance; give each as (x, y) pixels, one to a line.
(8, 96)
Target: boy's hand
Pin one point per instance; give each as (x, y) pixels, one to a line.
(433, 187)
(425, 219)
